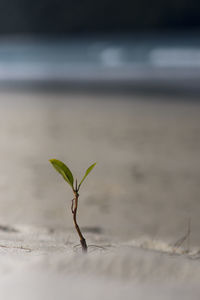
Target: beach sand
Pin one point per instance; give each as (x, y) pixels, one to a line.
(134, 207)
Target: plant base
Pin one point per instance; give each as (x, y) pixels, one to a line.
(84, 245)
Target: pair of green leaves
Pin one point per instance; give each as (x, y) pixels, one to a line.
(67, 174)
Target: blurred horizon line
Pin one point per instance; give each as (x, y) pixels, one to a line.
(151, 61)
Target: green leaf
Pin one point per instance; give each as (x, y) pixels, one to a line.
(86, 174)
(63, 170)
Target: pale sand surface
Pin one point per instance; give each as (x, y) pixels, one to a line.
(135, 205)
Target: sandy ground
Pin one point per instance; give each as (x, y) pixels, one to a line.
(133, 208)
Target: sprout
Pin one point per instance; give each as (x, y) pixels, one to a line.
(68, 177)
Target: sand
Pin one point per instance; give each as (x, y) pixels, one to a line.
(133, 208)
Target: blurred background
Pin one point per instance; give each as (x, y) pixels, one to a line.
(107, 81)
(140, 44)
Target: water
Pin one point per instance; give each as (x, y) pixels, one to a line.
(160, 61)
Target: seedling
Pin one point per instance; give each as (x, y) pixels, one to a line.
(67, 175)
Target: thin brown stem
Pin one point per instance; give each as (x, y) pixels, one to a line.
(74, 208)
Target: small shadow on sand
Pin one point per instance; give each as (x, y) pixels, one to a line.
(138, 174)
(7, 228)
(97, 230)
